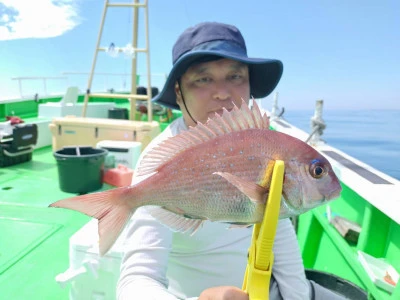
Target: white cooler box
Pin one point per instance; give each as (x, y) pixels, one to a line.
(91, 276)
(78, 131)
(124, 153)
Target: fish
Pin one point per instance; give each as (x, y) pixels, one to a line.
(214, 172)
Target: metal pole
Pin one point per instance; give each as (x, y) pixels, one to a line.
(133, 72)
(44, 86)
(149, 93)
(20, 87)
(275, 105)
(317, 124)
(86, 99)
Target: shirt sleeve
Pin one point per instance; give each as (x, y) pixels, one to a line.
(147, 247)
(288, 268)
(144, 265)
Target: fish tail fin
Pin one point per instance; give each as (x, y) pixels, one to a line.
(111, 208)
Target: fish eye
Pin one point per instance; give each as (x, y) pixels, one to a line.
(317, 169)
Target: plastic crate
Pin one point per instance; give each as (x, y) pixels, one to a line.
(8, 158)
(17, 148)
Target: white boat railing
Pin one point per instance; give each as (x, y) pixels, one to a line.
(44, 80)
(71, 78)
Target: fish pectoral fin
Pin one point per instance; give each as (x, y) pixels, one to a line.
(253, 191)
(176, 222)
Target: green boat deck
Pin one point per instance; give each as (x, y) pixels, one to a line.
(34, 239)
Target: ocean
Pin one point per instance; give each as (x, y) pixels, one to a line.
(372, 136)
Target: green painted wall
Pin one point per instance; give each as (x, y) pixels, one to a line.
(323, 248)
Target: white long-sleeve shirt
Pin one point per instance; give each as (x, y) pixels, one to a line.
(162, 264)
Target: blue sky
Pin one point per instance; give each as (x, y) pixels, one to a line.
(345, 52)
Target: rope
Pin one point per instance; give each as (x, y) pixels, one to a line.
(318, 126)
(280, 115)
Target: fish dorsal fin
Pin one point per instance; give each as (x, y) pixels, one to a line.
(238, 119)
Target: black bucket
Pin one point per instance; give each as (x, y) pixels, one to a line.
(118, 113)
(80, 169)
(337, 285)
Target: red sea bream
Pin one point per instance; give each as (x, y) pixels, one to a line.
(213, 172)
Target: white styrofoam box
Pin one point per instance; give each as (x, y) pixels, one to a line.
(5, 128)
(44, 133)
(90, 275)
(59, 109)
(377, 269)
(125, 152)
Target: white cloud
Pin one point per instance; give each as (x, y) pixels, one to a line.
(4, 18)
(37, 18)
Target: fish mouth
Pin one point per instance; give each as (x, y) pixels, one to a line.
(333, 195)
(293, 210)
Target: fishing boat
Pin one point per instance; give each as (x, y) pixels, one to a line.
(351, 244)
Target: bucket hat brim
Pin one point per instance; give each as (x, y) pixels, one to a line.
(264, 75)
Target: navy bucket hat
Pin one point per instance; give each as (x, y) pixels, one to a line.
(225, 41)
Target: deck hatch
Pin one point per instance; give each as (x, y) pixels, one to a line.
(19, 237)
(368, 175)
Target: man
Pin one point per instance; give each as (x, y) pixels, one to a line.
(211, 71)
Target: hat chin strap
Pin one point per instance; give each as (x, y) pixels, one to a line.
(184, 102)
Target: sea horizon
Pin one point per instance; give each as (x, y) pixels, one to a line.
(369, 135)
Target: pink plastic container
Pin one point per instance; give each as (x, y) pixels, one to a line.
(119, 176)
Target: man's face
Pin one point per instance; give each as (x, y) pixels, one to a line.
(210, 86)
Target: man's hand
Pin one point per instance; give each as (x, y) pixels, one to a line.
(223, 293)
